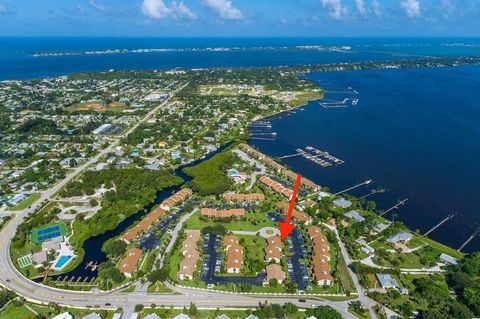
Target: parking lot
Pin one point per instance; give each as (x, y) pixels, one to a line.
(297, 270)
(212, 264)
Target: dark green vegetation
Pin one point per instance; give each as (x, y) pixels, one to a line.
(324, 312)
(129, 190)
(464, 279)
(5, 297)
(109, 275)
(209, 177)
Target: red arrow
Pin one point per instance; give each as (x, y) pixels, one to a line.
(286, 227)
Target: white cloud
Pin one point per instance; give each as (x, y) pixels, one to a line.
(376, 8)
(157, 9)
(337, 11)
(411, 7)
(361, 6)
(99, 7)
(183, 11)
(446, 8)
(225, 9)
(3, 8)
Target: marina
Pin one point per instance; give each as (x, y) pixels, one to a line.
(322, 158)
(346, 102)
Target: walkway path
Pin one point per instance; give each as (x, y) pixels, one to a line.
(265, 232)
(245, 157)
(432, 270)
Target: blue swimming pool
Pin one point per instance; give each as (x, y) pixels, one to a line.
(62, 261)
(232, 172)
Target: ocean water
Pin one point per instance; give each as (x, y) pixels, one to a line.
(416, 133)
(17, 62)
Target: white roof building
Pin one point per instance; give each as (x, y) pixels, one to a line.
(353, 214)
(400, 236)
(181, 316)
(342, 202)
(386, 281)
(449, 259)
(64, 315)
(93, 315)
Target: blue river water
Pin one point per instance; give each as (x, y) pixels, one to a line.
(415, 132)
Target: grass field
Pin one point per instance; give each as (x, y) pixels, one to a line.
(25, 203)
(251, 222)
(97, 106)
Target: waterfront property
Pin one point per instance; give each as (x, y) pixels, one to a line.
(176, 198)
(276, 186)
(301, 217)
(143, 225)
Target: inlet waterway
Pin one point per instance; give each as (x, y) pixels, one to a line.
(93, 246)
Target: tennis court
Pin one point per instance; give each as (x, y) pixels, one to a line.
(39, 235)
(25, 261)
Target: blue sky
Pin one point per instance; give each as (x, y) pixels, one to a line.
(349, 18)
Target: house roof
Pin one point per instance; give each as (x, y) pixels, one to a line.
(342, 202)
(386, 281)
(276, 186)
(144, 224)
(300, 216)
(353, 214)
(400, 236)
(275, 271)
(244, 197)
(449, 259)
(211, 212)
(176, 198)
(129, 263)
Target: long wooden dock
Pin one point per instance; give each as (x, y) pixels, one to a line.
(400, 203)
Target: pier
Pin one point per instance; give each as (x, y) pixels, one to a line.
(475, 234)
(93, 266)
(373, 192)
(439, 224)
(289, 156)
(346, 102)
(353, 187)
(322, 158)
(400, 203)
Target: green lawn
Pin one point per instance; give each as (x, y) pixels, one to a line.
(25, 203)
(16, 310)
(158, 288)
(251, 222)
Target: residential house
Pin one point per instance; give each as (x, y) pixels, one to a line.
(213, 213)
(297, 215)
(275, 272)
(129, 263)
(191, 256)
(234, 254)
